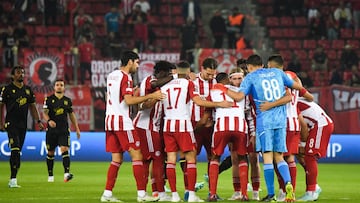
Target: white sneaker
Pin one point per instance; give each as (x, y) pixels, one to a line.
(175, 197)
(109, 199)
(236, 196)
(317, 191)
(13, 183)
(195, 199)
(51, 179)
(308, 197)
(147, 198)
(165, 198)
(255, 195)
(281, 196)
(249, 187)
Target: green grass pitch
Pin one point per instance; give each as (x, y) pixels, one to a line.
(339, 183)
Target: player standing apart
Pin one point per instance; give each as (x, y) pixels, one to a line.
(18, 99)
(119, 129)
(57, 107)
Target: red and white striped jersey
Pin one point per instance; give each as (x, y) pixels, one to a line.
(291, 107)
(250, 115)
(148, 118)
(117, 116)
(176, 105)
(202, 87)
(228, 119)
(313, 114)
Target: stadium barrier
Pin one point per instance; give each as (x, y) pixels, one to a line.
(91, 147)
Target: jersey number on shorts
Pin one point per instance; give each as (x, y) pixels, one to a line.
(271, 89)
(175, 89)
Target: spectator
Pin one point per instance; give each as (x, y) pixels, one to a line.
(313, 12)
(188, 37)
(355, 76)
(86, 54)
(317, 27)
(356, 14)
(21, 35)
(336, 77)
(71, 7)
(144, 5)
(133, 17)
(305, 80)
(218, 29)
(343, 16)
(112, 21)
(348, 58)
(236, 25)
(126, 7)
(8, 44)
(191, 9)
(294, 65)
(241, 42)
(332, 28)
(80, 20)
(319, 60)
(140, 34)
(50, 12)
(112, 47)
(155, 6)
(86, 30)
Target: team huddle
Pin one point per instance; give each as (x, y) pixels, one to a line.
(251, 110)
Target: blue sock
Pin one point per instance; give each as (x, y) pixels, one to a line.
(269, 178)
(284, 171)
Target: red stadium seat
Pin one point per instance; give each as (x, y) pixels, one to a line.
(179, 20)
(98, 20)
(357, 34)
(302, 54)
(54, 30)
(54, 41)
(286, 54)
(286, 21)
(280, 44)
(324, 43)
(354, 43)
(30, 30)
(272, 22)
(337, 44)
(301, 21)
(40, 42)
(276, 32)
(331, 54)
(176, 10)
(40, 30)
(295, 44)
(309, 44)
(346, 33)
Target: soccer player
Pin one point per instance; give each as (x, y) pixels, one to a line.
(18, 99)
(120, 133)
(57, 107)
(178, 130)
(230, 127)
(268, 85)
(147, 124)
(314, 144)
(293, 126)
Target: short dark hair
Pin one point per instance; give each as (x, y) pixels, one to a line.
(210, 63)
(241, 63)
(221, 76)
(162, 66)
(277, 58)
(15, 68)
(254, 60)
(126, 56)
(183, 64)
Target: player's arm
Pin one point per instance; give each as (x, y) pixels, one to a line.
(203, 120)
(161, 81)
(132, 100)
(198, 101)
(237, 96)
(35, 114)
(148, 104)
(73, 120)
(282, 101)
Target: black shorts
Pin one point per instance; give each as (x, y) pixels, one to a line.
(54, 139)
(16, 137)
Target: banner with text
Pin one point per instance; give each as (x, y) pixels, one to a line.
(342, 104)
(91, 147)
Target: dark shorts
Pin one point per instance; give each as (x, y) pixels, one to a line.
(16, 137)
(54, 139)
